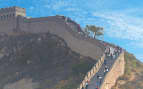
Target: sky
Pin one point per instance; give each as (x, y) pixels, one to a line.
(122, 19)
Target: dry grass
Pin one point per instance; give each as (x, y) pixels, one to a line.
(133, 77)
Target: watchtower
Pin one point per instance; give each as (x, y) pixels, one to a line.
(11, 12)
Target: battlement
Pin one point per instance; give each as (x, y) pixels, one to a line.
(11, 12)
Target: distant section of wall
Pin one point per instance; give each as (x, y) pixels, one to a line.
(9, 18)
(55, 25)
(11, 12)
(58, 26)
(115, 72)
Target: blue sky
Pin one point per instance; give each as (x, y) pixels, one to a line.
(121, 19)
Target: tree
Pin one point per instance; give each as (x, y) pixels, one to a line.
(97, 31)
(86, 30)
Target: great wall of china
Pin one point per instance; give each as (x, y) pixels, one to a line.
(13, 19)
(116, 71)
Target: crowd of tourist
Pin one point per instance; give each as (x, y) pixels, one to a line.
(110, 53)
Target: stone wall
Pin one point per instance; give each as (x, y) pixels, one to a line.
(58, 26)
(11, 12)
(92, 72)
(55, 25)
(7, 26)
(115, 72)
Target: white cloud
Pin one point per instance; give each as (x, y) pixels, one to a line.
(140, 57)
(123, 26)
(59, 4)
(136, 44)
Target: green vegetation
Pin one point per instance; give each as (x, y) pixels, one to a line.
(132, 64)
(133, 77)
(81, 68)
(97, 31)
(79, 71)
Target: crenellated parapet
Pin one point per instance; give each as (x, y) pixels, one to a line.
(11, 12)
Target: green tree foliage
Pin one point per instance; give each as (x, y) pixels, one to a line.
(86, 30)
(97, 31)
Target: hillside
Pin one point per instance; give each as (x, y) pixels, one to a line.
(69, 32)
(45, 61)
(40, 61)
(133, 77)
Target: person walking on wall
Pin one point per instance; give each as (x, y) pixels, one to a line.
(106, 51)
(106, 70)
(105, 62)
(82, 88)
(97, 87)
(86, 85)
(100, 78)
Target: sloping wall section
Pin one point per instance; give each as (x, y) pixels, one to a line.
(92, 72)
(58, 26)
(115, 72)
